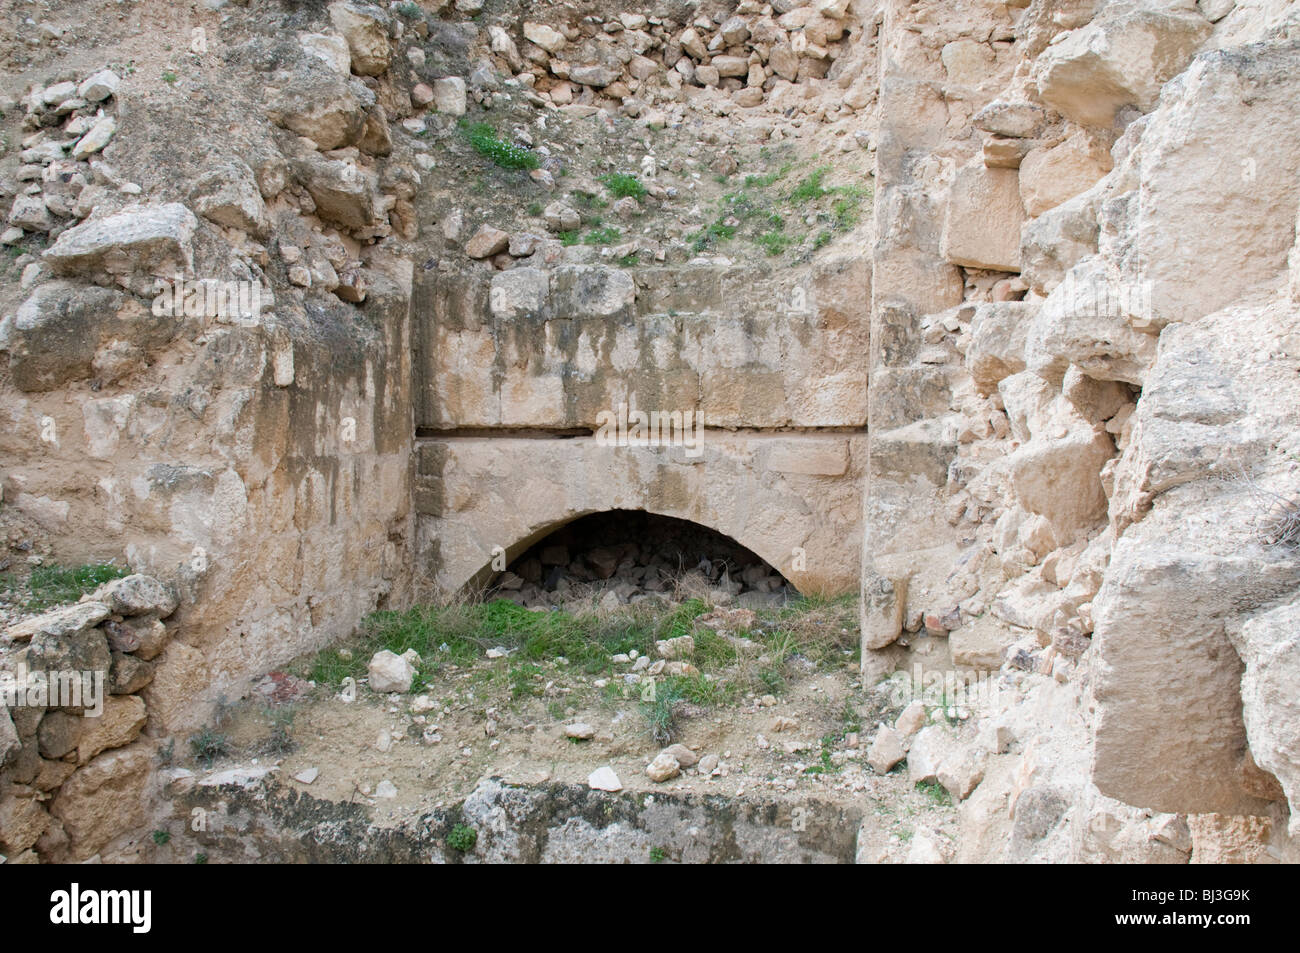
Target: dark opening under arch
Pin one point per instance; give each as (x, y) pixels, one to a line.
(631, 556)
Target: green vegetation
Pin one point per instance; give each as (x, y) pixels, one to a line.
(758, 212)
(209, 745)
(169, 77)
(56, 585)
(935, 792)
(506, 155)
(658, 855)
(161, 837)
(605, 235)
(462, 838)
(623, 186)
(409, 10)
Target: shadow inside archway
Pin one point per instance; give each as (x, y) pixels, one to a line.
(622, 557)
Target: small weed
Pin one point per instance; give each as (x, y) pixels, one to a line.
(658, 855)
(209, 745)
(462, 838)
(811, 188)
(606, 235)
(935, 792)
(623, 186)
(507, 155)
(774, 243)
(534, 209)
(569, 237)
(161, 837)
(167, 753)
(658, 711)
(169, 77)
(200, 858)
(628, 261)
(410, 10)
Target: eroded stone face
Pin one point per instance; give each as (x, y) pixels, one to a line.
(793, 500)
(553, 348)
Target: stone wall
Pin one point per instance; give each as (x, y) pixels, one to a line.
(554, 347)
(1083, 353)
(792, 499)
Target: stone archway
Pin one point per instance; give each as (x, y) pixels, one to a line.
(792, 499)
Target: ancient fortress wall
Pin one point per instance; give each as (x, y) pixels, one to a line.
(1043, 411)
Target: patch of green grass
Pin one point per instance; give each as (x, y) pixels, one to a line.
(622, 185)
(506, 155)
(628, 261)
(774, 243)
(462, 838)
(935, 792)
(569, 237)
(810, 188)
(657, 709)
(658, 855)
(822, 240)
(534, 209)
(523, 680)
(200, 858)
(409, 10)
(161, 837)
(169, 77)
(55, 585)
(605, 235)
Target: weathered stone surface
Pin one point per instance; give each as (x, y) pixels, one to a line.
(83, 651)
(982, 225)
(486, 242)
(1057, 240)
(664, 767)
(1245, 98)
(449, 95)
(229, 196)
(317, 102)
(884, 602)
(144, 637)
(129, 674)
(1269, 646)
(390, 673)
(548, 38)
(181, 676)
(154, 239)
(22, 821)
(120, 723)
(345, 193)
(1120, 59)
(1159, 620)
(1093, 321)
(9, 741)
(59, 733)
(886, 750)
(365, 27)
(104, 800)
(138, 594)
(1050, 176)
(604, 779)
(996, 349)
(60, 622)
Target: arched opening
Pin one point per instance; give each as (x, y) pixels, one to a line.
(626, 557)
